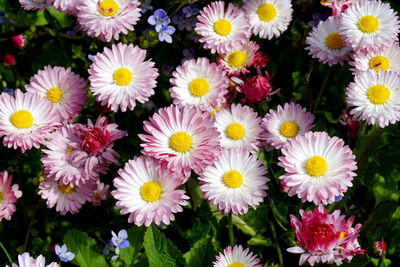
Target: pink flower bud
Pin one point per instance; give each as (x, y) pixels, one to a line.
(9, 60)
(257, 88)
(18, 41)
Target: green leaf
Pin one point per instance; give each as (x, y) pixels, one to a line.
(385, 189)
(202, 254)
(382, 213)
(280, 218)
(135, 237)
(82, 245)
(260, 241)
(63, 19)
(243, 226)
(160, 251)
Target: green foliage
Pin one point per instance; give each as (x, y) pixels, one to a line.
(201, 254)
(130, 254)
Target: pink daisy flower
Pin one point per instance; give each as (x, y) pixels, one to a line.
(120, 76)
(325, 238)
(26, 120)
(35, 4)
(66, 6)
(8, 196)
(100, 193)
(237, 61)
(26, 260)
(183, 137)
(62, 88)
(236, 257)
(148, 192)
(222, 30)
(281, 125)
(235, 181)
(199, 83)
(108, 18)
(318, 167)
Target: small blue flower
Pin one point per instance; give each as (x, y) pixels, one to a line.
(9, 91)
(317, 17)
(120, 240)
(165, 34)
(145, 6)
(338, 198)
(64, 254)
(90, 57)
(188, 53)
(2, 16)
(190, 10)
(159, 19)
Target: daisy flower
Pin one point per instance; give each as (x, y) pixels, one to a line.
(100, 193)
(66, 197)
(199, 83)
(120, 76)
(35, 4)
(235, 181)
(283, 124)
(318, 167)
(222, 30)
(26, 260)
(66, 6)
(237, 61)
(236, 257)
(239, 127)
(108, 18)
(369, 25)
(375, 97)
(326, 43)
(26, 120)
(148, 192)
(268, 18)
(62, 88)
(386, 59)
(8, 196)
(183, 137)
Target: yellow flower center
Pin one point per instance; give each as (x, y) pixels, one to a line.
(289, 129)
(151, 191)
(69, 150)
(54, 94)
(237, 59)
(108, 8)
(343, 235)
(377, 63)
(122, 76)
(233, 179)
(180, 142)
(199, 87)
(316, 166)
(368, 24)
(334, 41)
(236, 264)
(222, 27)
(21, 119)
(235, 131)
(266, 12)
(378, 94)
(66, 189)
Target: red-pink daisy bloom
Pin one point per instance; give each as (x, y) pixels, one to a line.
(8, 196)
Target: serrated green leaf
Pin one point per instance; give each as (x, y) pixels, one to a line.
(160, 251)
(135, 237)
(82, 245)
(201, 254)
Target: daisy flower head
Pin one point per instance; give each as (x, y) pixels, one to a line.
(369, 25)
(382, 60)
(108, 18)
(8, 196)
(64, 89)
(237, 257)
(237, 61)
(239, 127)
(235, 181)
(183, 137)
(281, 125)
(318, 167)
(222, 29)
(375, 97)
(326, 44)
(26, 260)
(35, 4)
(268, 18)
(148, 192)
(26, 120)
(66, 6)
(120, 76)
(198, 82)
(325, 238)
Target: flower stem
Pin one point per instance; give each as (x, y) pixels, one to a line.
(277, 247)
(322, 89)
(5, 251)
(230, 228)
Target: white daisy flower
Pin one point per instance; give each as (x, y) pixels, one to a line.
(237, 257)
(237, 61)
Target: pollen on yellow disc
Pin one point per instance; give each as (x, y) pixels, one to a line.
(233, 179)
(151, 191)
(21, 119)
(378, 94)
(66, 189)
(236, 264)
(222, 27)
(237, 59)
(266, 12)
(379, 62)
(235, 131)
(289, 129)
(54, 94)
(334, 41)
(69, 150)
(180, 142)
(343, 235)
(199, 87)
(108, 8)
(368, 24)
(316, 166)
(122, 76)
